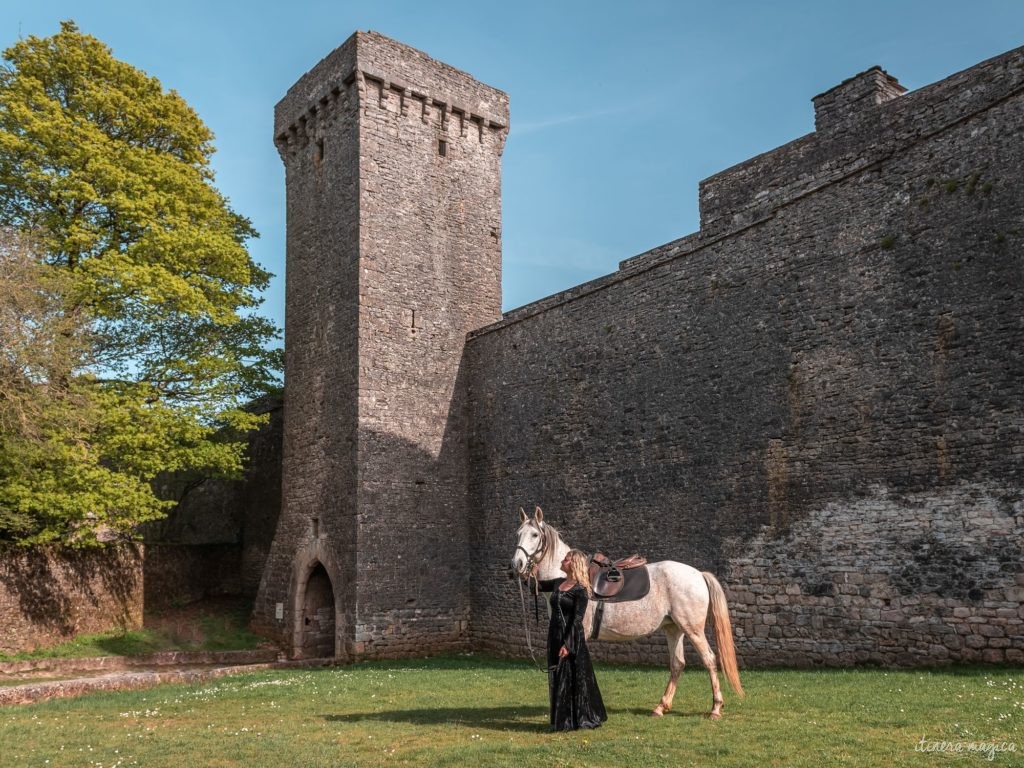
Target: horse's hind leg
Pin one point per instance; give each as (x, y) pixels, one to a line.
(707, 657)
(676, 662)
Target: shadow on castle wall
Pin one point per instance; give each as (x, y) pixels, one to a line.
(401, 553)
(215, 542)
(47, 596)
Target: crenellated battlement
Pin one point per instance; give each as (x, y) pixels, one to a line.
(370, 70)
(376, 89)
(417, 102)
(313, 123)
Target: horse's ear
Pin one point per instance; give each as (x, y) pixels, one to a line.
(522, 516)
(538, 513)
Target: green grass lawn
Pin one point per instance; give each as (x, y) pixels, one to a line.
(477, 712)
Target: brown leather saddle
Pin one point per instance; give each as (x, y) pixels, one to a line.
(621, 580)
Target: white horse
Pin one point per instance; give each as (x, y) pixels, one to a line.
(680, 601)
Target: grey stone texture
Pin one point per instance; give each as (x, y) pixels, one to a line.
(178, 574)
(393, 165)
(216, 540)
(897, 579)
(817, 396)
(823, 385)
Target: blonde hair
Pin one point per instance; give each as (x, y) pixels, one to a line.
(579, 568)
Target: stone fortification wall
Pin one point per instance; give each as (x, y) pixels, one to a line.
(430, 229)
(852, 135)
(178, 574)
(394, 231)
(818, 396)
(49, 596)
(216, 540)
(316, 132)
(257, 496)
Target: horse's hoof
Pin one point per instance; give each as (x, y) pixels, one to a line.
(657, 711)
(714, 715)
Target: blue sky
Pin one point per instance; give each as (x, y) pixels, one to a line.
(619, 108)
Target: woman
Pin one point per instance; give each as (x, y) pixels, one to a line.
(575, 698)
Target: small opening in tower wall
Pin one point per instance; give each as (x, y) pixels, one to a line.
(442, 148)
(319, 151)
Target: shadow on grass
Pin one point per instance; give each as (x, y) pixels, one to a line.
(531, 719)
(489, 718)
(128, 644)
(695, 714)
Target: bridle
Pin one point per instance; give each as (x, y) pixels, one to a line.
(534, 559)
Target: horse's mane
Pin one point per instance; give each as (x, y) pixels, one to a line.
(551, 539)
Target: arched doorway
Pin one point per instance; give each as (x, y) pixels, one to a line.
(316, 628)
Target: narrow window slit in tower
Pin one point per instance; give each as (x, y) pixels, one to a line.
(413, 326)
(316, 527)
(319, 151)
(442, 148)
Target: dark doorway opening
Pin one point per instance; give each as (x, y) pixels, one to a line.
(317, 629)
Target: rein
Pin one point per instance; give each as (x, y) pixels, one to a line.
(526, 624)
(533, 562)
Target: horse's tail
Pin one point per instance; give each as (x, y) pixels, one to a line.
(719, 610)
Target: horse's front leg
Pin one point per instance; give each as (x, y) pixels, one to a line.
(676, 663)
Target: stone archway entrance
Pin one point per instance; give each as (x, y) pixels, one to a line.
(316, 624)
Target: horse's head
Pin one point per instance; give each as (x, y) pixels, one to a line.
(531, 544)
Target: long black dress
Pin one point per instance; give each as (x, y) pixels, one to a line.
(575, 698)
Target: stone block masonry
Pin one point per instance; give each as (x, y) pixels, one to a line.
(818, 396)
(394, 230)
(903, 579)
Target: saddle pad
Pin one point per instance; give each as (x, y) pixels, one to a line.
(636, 584)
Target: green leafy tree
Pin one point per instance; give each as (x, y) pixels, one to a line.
(112, 176)
(63, 472)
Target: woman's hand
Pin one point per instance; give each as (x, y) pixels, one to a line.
(563, 652)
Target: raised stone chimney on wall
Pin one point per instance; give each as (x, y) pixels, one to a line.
(848, 119)
(852, 98)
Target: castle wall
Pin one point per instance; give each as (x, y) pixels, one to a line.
(257, 496)
(430, 240)
(178, 574)
(50, 596)
(851, 136)
(316, 131)
(394, 231)
(216, 540)
(818, 396)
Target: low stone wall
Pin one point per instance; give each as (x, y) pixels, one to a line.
(105, 664)
(33, 693)
(49, 596)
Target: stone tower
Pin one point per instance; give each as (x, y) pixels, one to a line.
(393, 167)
